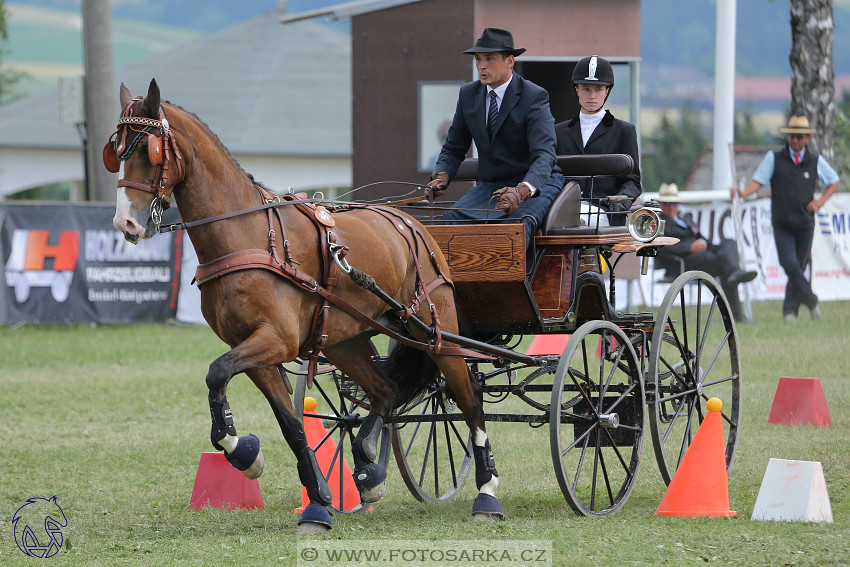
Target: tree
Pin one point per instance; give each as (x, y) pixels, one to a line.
(812, 75)
(8, 77)
(841, 159)
(671, 154)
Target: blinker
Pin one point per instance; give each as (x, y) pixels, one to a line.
(110, 156)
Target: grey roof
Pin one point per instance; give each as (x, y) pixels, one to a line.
(346, 10)
(262, 87)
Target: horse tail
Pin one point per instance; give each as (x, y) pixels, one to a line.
(412, 371)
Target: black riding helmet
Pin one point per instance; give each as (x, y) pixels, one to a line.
(594, 70)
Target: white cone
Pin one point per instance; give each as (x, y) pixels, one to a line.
(793, 491)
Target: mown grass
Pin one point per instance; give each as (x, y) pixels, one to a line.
(112, 420)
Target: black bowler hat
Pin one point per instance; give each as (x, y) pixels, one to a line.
(495, 39)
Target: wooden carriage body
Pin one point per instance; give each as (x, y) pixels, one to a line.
(504, 286)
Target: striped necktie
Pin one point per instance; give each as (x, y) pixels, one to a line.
(492, 113)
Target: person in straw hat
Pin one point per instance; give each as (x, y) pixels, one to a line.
(793, 173)
(720, 260)
(509, 119)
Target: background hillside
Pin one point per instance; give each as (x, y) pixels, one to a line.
(675, 33)
(677, 43)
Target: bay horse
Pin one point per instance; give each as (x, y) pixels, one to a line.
(273, 290)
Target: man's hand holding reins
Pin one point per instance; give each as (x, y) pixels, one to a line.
(437, 185)
(510, 198)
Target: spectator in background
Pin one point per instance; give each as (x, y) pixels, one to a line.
(720, 260)
(596, 132)
(792, 173)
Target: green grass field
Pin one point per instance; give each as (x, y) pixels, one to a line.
(112, 420)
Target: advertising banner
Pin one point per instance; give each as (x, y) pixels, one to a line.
(65, 263)
(830, 263)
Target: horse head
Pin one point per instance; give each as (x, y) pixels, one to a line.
(152, 163)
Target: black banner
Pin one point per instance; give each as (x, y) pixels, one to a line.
(66, 263)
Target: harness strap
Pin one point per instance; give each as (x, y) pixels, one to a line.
(262, 259)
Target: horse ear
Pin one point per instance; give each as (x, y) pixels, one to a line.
(124, 96)
(152, 100)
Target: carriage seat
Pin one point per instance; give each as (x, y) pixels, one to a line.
(564, 216)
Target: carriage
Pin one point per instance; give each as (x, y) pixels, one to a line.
(351, 289)
(617, 372)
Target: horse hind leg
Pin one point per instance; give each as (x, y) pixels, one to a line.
(354, 359)
(469, 399)
(315, 518)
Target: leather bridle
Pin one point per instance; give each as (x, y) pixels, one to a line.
(162, 152)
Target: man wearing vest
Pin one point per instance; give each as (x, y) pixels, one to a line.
(792, 173)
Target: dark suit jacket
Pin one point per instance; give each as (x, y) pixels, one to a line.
(682, 249)
(523, 146)
(611, 136)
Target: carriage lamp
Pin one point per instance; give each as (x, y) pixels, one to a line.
(645, 224)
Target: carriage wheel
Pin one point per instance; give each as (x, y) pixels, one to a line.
(342, 406)
(693, 357)
(433, 455)
(596, 419)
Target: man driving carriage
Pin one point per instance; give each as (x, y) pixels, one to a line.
(509, 119)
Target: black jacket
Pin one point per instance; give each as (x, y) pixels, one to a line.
(611, 136)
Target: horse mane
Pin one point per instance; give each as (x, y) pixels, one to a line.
(220, 143)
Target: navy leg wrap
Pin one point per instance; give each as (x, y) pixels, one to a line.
(313, 480)
(485, 464)
(315, 514)
(247, 449)
(222, 423)
(487, 505)
(369, 476)
(365, 445)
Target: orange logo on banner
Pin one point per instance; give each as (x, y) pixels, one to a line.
(64, 253)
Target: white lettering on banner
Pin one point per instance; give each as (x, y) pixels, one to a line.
(830, 249)
(128, 274)
(124, 295)
(110, 246)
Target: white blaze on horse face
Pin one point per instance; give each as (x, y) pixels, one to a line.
(123, 219)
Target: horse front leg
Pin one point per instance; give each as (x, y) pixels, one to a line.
(244, 452)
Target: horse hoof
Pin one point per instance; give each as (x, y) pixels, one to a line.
(479, 517)
(370, 495)
(311, 528)
(256, 469)
(370, 482)
(487, 508)
(314, 520)
(247, 456)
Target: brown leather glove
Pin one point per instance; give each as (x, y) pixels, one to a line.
(510, 198)
(437, 185)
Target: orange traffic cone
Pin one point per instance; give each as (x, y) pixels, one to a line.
(346, 497)
(219, 485)
(700, 486)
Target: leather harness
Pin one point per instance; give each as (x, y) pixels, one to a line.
(162, 149)
(332, 257)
